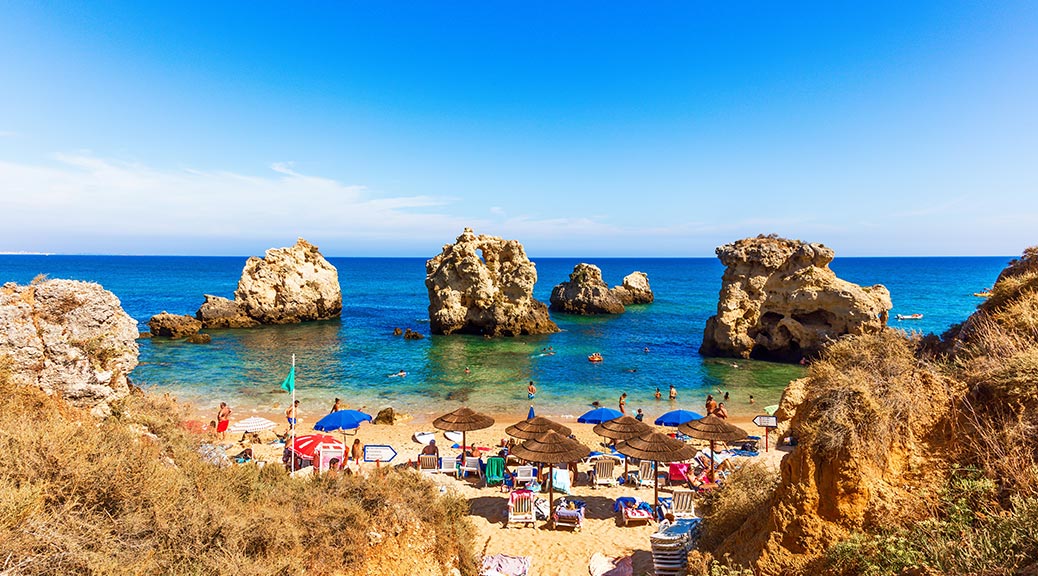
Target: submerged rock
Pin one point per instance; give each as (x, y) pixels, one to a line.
(780, 301)
(634, 290)
(199, 338)
(289, 285)
(484, 285)
(70, 338)
(219, 312)
(166, 325)
(585, 293)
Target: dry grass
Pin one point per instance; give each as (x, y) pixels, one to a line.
(129, 495)
(726, 508)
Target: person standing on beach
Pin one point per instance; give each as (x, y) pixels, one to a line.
(290, 415)
(223, 418)
(673, 392)
(623, 403)
(337, 405)
(531, 391)
(357, 451)
(721, 412)
(711, 404)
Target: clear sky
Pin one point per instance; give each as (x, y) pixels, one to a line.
(579, 128)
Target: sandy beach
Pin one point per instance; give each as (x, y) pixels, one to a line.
(553, 552)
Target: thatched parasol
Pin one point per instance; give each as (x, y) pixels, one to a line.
(658, 448)
(622, 428)
(533, 427)
(551, 448)
(463, 420)
(713, 429)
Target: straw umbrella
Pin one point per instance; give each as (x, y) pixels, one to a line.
(658, 448)
(551, 448)
(713, 429)
(463, 420)
(622, 428)
(533, 427)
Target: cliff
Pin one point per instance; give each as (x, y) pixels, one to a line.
(289, 285)
(585, 293)
(780, 301)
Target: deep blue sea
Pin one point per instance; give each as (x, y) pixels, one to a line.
(351, 358)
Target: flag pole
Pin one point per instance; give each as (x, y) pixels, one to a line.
(295, 416)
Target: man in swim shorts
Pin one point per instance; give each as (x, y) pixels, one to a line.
(290, 414)
(223, 418)
(531, 390)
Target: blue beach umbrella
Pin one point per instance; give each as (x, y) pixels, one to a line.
(677, 417)
(531, 414)
(342, 420)
(599, 415)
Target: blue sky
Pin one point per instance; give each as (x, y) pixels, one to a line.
(580, 129)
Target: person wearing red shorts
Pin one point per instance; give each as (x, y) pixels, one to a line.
(223, 418)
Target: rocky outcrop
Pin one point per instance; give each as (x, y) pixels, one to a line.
(289, 285)
(484, 285)
(634, 290)
(166, 325)
(69, 338)
(792, 397)
(585, 293)
(219, 312)
(200, 338)
(780, 301)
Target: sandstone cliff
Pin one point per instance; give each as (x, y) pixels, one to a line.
(219, 312)
(780, 301)
(484, 285)
(585, 293)
(68, 338)
(289, 285)
(635, 289)
(168, 325)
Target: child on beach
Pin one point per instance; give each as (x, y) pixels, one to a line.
(640, 415)
(357, 451)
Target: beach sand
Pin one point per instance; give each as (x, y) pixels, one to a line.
(553, 552)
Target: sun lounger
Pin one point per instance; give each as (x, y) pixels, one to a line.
(448, 465)
(524, 475)
(520, 508)
(632, 509)
(494, 474)
(428, 464)
(604, 473)
(565, 516)
(471, 464)
(683, 506)
(677, 473)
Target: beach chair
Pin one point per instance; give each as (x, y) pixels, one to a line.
(604, 472)
(471, 464)
(646, 474)
(560, 480)
(677, 473)
(428, 464)
(524, 475)
(683, 506)
(632, 509)
(448, 465)
(494, 474)
(566, 516)
(520, 508)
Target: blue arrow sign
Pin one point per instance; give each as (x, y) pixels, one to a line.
(379, 452)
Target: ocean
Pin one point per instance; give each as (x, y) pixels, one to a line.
(352, 358)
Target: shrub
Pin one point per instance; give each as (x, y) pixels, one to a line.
(727, 507)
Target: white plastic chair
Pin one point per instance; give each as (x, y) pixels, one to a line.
(524, 475)
(604, 472)
(471, 464)
(683, 507)
(448, 465)
(428, 464)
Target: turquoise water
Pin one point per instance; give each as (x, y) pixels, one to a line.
(351, 358)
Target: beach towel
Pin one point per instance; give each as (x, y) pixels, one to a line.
(505, 565)
(560, 480)
(602, 565)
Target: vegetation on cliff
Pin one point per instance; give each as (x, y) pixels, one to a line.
(130, 495)
(914, 456)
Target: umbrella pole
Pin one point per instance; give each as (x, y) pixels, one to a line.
(655, 487)
(551, 493)
(713, 474)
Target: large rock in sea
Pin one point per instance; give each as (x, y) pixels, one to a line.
(780, 301)
(585, 293)
(484, 285)
(289, 285)
(168, 325)
(70, 338)
(219, 312)
(635, 289)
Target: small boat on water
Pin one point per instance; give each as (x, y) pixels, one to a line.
(909, 316)
(594, 357)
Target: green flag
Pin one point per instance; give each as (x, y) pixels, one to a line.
(289, 385)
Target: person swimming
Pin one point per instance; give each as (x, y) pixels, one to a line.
(399, 374)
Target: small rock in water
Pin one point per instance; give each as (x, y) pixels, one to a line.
(199, 338)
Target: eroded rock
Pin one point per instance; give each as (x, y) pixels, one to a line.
(484, 285)
(634, 290)
(289, 285)
(219, 312)
(166, 325)
(70, 338)
(585, 293)
(200, 338)
(780, 301)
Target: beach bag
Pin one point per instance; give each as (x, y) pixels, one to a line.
(540, 508)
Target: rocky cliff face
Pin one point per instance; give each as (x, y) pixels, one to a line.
(585, 293)
(70, 338)
(484, 285)
(218, 312)
(289, 285)
(635, 289)
(166, 325)
(780, 301)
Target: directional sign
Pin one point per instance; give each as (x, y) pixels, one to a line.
(765, 421)
(379, 453)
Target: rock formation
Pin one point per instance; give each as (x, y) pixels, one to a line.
(585, 293)
(70, 338)
(218, 312)
(289, 285)
(780, 301)
(166, 325)
(484, 285)
(634, 290)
